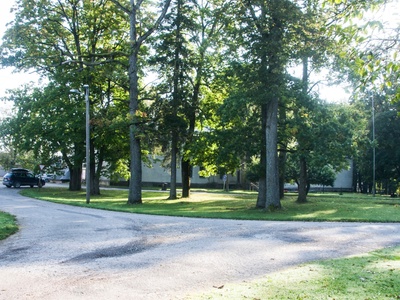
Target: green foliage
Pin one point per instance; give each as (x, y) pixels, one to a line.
(322, 134)
(32, 130)
(386, 141)
(387, 126)
(324, 176)
(7, 161)
(48, 36)
(368, 53)
(70, 44)
(183, 61)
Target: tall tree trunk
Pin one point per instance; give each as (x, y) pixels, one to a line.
(303, 177)
(302, 195)
(354, 173)
(75, 169)
(262, 193)
(95, 186)
(282, 157)
(174, 150)
(262, 189)
(176, 101)
(94, 176)
(75, 177)
(272, 174)
(135, 183)
(186, 163)
(282, 167)
(186, 173)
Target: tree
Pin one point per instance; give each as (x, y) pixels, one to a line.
(32, 130)
(185, 58)
(374, 60)
(270, 28)
(137, 36)
(317, 47)
(171, 62)
(386, 125)
(67, 42)
(323, 137)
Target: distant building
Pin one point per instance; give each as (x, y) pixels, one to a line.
(342, 183)
(344, 179)
(157, 175)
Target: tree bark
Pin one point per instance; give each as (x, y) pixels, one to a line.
(75, 177)
(176, 101)
(282, 164)
(262, 193)
(282, 156)
(303, 177)
(75, 169)
(302, 195)
(262, 190)
(186, 173)
(272, 174)
(135, 183)
(174, 150)
(186, 163)
(96, 171)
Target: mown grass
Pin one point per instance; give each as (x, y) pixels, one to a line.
(371, 276)
(8, 225)
(236, 205)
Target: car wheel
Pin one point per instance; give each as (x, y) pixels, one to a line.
(17, 184)
(8, 186)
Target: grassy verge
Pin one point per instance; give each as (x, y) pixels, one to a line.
(372, 276)
(236, 205)
(8, 225)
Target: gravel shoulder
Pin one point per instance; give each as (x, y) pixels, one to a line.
(78, 253)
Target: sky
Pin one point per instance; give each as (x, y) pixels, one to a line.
(10, 80)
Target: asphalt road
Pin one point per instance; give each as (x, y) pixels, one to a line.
(65, 252)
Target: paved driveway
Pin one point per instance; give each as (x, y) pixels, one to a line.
(65, 252)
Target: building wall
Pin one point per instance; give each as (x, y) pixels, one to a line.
(158, 174)
(343, 182)
(344, 179)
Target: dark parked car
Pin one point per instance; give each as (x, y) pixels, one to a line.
(19, 177)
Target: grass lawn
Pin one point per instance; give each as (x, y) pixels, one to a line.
(236, 205)
(8, 225)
